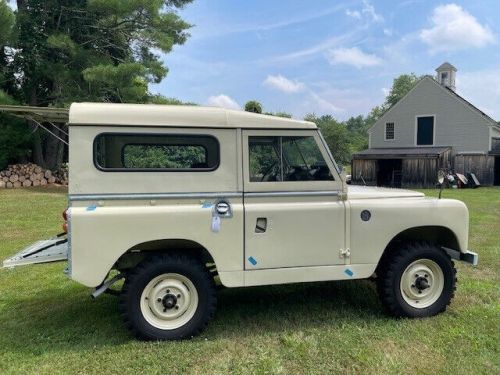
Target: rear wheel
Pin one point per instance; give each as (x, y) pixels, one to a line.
(168, 297)
(417, 280)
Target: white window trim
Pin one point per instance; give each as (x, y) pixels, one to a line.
(385, 131)
(433, 130)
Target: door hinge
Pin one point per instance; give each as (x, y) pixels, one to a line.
(345, 253)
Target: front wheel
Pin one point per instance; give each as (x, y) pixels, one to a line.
(417, 280)
(168, 297)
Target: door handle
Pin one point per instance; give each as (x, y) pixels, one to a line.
(261, 225)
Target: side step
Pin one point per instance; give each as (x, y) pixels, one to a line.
(45, 251)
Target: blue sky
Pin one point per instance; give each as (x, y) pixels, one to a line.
(331, 57)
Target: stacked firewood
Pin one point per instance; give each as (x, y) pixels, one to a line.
(25, 175)
(61, 174)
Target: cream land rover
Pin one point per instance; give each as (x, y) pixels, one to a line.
(175, 199)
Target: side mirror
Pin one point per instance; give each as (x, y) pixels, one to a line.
(441, 177)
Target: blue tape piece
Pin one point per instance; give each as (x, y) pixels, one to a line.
(91, 208)
(207, 205)
(252, 260)
(348, 272)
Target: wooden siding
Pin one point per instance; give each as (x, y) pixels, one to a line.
(419, 173)
(365, 168)
(481, 165)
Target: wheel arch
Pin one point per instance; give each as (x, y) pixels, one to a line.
(135, 254)
(440, 235)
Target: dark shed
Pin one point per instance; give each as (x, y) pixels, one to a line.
(400, 167)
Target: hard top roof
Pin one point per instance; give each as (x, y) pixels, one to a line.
(176, 115)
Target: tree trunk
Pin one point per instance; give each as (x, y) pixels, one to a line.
(53, 149)
(37, 147)
(47, 150)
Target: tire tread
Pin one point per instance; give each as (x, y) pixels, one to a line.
(170, 259)
(387, 271)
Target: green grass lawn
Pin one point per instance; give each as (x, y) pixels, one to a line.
(49, 324)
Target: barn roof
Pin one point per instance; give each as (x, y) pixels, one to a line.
(444, 66)
(400, 152)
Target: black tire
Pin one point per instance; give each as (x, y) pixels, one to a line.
(391, 270)
(138, 279)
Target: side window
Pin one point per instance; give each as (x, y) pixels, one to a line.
(389, 131)
(265, 163)
(286, 159)
(155, 152)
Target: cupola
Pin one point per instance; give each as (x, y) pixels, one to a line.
(446, 75)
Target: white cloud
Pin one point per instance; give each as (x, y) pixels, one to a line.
(223, 101)
(283, 84)
(369, 10)
(224, 26)
(324, 105)
(352, 56)
(312, 99)
(454, 29)
(353, 13)
(388, 32)
(347, 38)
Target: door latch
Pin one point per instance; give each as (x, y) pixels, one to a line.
(223, 209)
(345, 253)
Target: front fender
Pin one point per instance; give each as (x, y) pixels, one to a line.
(390, 217)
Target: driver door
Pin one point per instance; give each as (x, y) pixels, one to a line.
(294, 214)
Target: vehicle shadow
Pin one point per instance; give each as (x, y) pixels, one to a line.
(68, 320)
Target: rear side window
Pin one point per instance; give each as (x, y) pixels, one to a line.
(156, 152)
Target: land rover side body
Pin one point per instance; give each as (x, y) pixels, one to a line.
(175, 199)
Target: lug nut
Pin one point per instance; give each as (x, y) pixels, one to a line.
(177, 307)
(178, 296)
(168, 290)
(158, 300)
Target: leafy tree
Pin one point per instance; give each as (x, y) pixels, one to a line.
(400, 87)
(88, 50)
(279, 114)
(6, 22)
(358, 133)
(139, 156)
(336, 136)
(160, 99)
(14, 136)
(253, 106)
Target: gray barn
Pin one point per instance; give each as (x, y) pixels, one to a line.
(430, 128)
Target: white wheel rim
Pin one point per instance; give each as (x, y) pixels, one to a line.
(169, 301)
(422, 283)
